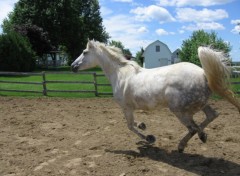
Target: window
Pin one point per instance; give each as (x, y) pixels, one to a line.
(157, 48)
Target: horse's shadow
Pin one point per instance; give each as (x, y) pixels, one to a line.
(194, 163)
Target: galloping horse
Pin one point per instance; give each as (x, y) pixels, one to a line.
(184, 87)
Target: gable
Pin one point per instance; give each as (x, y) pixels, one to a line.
(157, 54)
(153, 47)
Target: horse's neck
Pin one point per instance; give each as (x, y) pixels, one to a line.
(114, 72)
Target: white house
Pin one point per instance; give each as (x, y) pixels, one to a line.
(157, 54)
(175, 56)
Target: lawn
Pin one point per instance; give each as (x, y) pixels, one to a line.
(64, 74)
(59, 75)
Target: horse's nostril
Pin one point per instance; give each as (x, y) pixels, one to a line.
(74, 68)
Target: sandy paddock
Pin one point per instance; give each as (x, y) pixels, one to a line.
(54, 136)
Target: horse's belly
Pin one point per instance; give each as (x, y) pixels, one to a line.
(147, 102)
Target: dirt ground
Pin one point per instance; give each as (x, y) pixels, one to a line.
(54, 136)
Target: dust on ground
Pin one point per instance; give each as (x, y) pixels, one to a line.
(55, 136)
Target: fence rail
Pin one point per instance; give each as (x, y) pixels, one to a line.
(44, 82)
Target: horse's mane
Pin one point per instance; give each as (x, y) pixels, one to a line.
(115, 55)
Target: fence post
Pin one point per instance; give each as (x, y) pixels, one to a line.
(95, 84)
(44, 84)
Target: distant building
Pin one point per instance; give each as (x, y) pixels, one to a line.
(175, 57)
(157, 54)
(53, 59)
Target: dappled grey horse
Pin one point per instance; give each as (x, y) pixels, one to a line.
(184, 87)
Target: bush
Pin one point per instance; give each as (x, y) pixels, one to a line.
(16, 53)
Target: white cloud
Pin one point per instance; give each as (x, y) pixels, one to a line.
(6, 8)
(204, 26)
(236, 29)
(105, 11)
(163, 32)
(125, 29)
(142, 29)
(235, 21)
(151, 13)
(204, 15)
(181, 3)
(181, 31)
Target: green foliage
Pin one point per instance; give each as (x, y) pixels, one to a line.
(119, 44)
(67, 22)
(139, 57)
(200, 38)
(37, 37)
(15, 53)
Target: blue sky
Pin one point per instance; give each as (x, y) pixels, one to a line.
(137, 23)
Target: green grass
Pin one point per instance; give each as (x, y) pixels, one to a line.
(55, 86)
(65, 86)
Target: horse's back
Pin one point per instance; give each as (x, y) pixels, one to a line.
(167, 86)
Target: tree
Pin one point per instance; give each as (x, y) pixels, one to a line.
(139, 57)
(119, 44)
(200, 38)
(37, 37)
(67, 22)
(16, 53)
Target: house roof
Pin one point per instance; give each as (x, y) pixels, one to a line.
(157, 41)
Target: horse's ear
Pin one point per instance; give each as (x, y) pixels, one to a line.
(90, 44)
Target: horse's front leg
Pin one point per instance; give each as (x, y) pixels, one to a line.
(128, 113)
(140, 125)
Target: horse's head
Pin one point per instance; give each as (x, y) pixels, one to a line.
(87, 59)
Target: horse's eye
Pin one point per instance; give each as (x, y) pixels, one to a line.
(85, 52)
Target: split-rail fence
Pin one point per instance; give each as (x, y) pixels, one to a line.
(44, 82)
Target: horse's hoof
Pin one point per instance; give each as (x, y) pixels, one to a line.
(203, 137)
(142, 126)
(150, 139)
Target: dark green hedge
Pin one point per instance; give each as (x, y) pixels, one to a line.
(16, 53)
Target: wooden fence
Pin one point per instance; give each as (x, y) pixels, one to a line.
(44, 82)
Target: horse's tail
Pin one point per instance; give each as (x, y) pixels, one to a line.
(217, 73)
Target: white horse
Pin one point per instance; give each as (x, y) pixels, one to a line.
(184, 87)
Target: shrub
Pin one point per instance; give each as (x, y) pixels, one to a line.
(16, 53)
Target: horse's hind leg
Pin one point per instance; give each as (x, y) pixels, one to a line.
(211, 114)
(193, 128)
(130, 123)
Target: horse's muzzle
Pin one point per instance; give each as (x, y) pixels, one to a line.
(75, 67)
